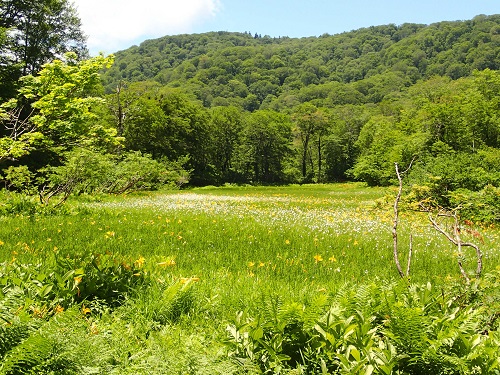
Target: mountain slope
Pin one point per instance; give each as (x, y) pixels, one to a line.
(365, 65)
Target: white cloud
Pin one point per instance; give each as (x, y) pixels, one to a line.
(112, 25)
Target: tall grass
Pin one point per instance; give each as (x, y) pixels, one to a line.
(236, 244)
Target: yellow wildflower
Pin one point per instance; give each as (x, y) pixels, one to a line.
(167, 263)
(93, 328)
(185, 280)
(318, 258)
(140, 262)
(332, 258)
(251, 264)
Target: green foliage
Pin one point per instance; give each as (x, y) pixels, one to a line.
(83, 278)
(452, 180)
(19, 178)
(51, 315)
(481, 206)
(39, 32)
(65, 344)
(19, 204)
(89, 172)
(101, 277)
(265, 147)
(227, 126)
(416, 330)
(62, 96)
(53, 114)
(382, 143)
(365, 65)
(73, 294)
(163, 303)
(379, 95)
(224, 105)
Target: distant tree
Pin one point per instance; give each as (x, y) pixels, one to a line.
(310, 122)
(169, 125)
(382, 143)
(265, 146)
(340, 152)
(144, 128)
(227, 125)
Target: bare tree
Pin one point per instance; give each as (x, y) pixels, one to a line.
(395, 224)
(452, 232)
(455, 238)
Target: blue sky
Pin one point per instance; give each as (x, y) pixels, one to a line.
(112, 25)
(314, 17)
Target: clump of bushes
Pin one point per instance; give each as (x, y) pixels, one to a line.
(88, 172)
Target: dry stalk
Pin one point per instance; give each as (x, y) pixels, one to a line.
(395, 224)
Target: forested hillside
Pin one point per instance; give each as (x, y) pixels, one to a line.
(223, 107)
(313, 109)
(253, 72)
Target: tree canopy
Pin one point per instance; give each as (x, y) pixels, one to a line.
(34, 33)
(362, 66)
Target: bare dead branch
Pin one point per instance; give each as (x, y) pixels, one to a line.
(456, 240)
(410, 253)
(396, 221)
(18, 124)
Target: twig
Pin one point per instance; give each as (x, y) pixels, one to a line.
(457, 241)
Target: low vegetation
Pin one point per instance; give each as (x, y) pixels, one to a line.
(290, 280)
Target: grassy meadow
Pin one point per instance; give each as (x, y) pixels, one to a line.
(197, 258)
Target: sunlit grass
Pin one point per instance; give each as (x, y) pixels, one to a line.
(235, 247)
(243, 241)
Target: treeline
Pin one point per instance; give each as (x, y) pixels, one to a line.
(224, 107)
(435, 120)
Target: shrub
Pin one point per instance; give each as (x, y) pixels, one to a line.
(86, 171)
(19, 179)
(374, 329)
(478, 206)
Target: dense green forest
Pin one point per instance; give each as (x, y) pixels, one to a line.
(224, 107)
(256, 72)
